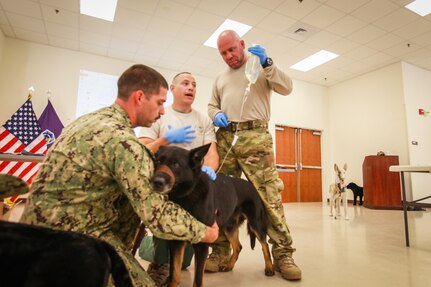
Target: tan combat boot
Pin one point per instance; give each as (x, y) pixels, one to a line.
(287, 267)
(215, 262)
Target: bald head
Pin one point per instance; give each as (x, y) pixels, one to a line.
(231, 48)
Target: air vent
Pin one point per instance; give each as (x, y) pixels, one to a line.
(300, 31)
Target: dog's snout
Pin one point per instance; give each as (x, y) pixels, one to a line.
(161, 182)
(158, 183)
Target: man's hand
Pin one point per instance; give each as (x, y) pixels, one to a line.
(221, 120)
(179, 135)
(260, 52)
(209, 171)
(211, 234)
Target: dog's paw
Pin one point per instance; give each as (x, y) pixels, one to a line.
(225, 269)
(269, 272)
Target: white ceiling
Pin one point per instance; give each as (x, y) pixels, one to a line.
(367, 34)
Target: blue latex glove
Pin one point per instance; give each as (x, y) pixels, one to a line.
(209, 171)
(221, 120)
(179, 135)
(260, 52)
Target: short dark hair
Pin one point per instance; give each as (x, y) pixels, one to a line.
(140, 77)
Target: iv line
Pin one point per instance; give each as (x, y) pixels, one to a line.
(235, 136)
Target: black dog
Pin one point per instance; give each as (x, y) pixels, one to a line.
(227, 200)
(42, 257)
(357, 192)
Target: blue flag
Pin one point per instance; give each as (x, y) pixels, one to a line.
(50, 124)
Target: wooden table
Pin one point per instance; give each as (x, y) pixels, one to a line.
(409, 168)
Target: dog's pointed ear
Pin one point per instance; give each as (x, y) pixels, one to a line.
(197, 154)
(336, 167)
(345, 166)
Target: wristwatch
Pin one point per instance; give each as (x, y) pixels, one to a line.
(268, 62)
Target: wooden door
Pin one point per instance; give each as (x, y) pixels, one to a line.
(298, 158)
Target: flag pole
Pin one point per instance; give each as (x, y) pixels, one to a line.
(30, 92)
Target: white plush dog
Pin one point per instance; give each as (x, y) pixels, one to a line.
(337, 191)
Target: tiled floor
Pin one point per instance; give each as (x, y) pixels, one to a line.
(367, 250)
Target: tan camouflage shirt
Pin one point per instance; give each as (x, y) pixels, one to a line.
(95, 167)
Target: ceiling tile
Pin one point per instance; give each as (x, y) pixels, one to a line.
(374, 10)
(173, 11)
(156, 39)
(192, 34)
(63, 17)
(164, 28)
(205, 20)
(322, 17)
(124, 45)
(414, 29)
(366, 34)
(401, 49)
(346, 26)
(276, 23)
(121, 54)
(258, 36)
(22, 7)
(323, 39)
(184, 47)
(95, 25)
(3, 18)
(346, 6)
(61, 31)
(31, 36)
(357, 68)
(90, 37)
(130, 19)
(130, 34)
(26, 23)
(396, 19)
(386, 41)
(423, 39)
(297, 10)
(63, 43)
(360, 53)
(379, 60)
(147, 6)
(69, 5)
(249, 13)
(219, 7)
(268, 4)
(342, 46)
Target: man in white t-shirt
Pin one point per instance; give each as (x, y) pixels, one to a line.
(179, 114)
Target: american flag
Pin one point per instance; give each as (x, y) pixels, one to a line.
(22, 134)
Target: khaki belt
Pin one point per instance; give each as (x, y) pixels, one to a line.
(242, 126)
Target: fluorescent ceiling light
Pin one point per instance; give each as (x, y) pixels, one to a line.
(421, 7)
(228, 24)
(314, 60)
(102, 9)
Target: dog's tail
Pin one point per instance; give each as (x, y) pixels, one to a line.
(252, 236)
(119, 272)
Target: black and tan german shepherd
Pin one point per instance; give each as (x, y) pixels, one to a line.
(227, 200)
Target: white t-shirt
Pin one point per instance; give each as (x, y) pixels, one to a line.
(199, 122)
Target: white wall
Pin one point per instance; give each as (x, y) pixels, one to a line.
(367, 115)
(46, 68)
(2, 40)
(417, 94)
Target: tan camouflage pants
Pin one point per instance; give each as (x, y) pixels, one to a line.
(253, 154)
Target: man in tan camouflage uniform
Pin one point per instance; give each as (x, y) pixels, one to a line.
(96, 178)
(246, 118)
